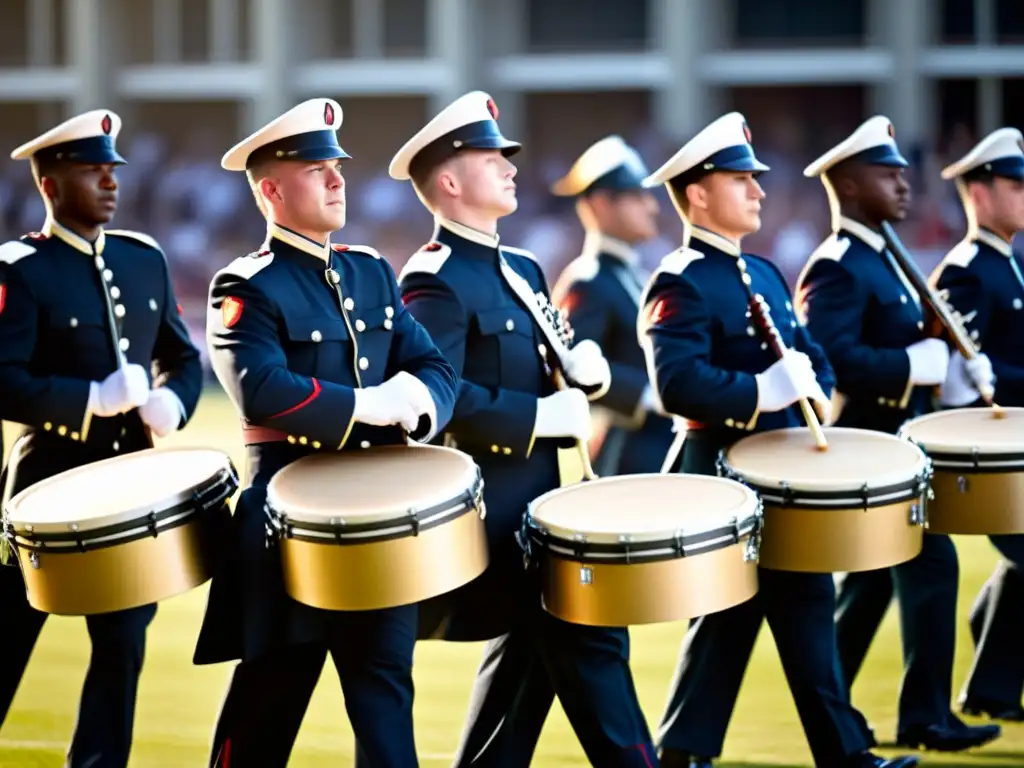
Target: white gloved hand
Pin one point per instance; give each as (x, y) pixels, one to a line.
(929, 362)
(564, 414)
(786, 381)
(124, 389)
(965, 379)
(162, 413)
(419, 398)
(386, 404)
(586, 365)
(648, 400)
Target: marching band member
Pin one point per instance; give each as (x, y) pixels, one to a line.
(599, 294)
(867, 316)
(313, 346)
(984, 279)
(81, 400)
(710, 367)
(472, 293)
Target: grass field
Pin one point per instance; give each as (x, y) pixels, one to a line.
(178, 701)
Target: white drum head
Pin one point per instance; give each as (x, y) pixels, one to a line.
(371, 486)
(855, 458)
(114, 491)
(650, 507)
(964, 430)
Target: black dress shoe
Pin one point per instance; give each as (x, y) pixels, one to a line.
(955, 737)
(869, 760)
(993, 710)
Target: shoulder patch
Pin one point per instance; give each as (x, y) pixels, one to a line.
(677, 261)
(518, 252)
(35, 236)
(833, 248)
(249, 266)
(582, 269)
(961, 255)
(131, 234)
(14, 251)
(427, 260)
(365, 250)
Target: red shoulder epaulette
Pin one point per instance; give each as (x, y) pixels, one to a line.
(35, 236)
(339, 247)
(431, 247)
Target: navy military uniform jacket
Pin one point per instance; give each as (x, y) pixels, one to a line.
(984, 280)
(704, 350)
(599, 294)
(455, 287)
(858, 307)
(290, 350)
(55, 339)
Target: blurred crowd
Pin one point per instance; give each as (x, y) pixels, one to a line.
(204, 217)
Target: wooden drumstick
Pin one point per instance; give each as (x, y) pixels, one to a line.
(760, 313)
(943, 312)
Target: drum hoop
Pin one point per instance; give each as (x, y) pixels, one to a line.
(977, 462)
(212, 493)
(865, 497)
(629, 553)
(412, 523)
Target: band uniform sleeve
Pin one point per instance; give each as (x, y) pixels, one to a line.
(675, 332)
(589, 314)
(251, 365)
(834, 304)
(483, 416)
(965, 293)
(414, 351)
(176, 357)
(25, 396)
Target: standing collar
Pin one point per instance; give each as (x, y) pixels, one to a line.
(466, 233)
(52, 229)
(715, 240)
(994, 241)
(299, 242)
(864, 233)
(596, 242)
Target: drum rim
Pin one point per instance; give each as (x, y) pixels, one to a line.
(664, 545)
(968, 457)
(124, 517)
(868, 495)
(212, 493)
(411, 522)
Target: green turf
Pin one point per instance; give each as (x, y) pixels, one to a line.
(178, 702)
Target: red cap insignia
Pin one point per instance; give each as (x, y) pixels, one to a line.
(3, 297)
(432, 247)
(107, 124)
(339, 247)
(328, 113)
(231, 311)
(746, 132)
(492, 108)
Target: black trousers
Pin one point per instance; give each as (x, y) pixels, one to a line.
(926, 588)
(998, 671)
(267, 697)
(106, 710)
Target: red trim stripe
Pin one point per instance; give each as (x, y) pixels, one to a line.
(303, 404)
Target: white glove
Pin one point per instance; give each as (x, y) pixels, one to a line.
(162, 413)
(386, 404)
(124, 389)
(786, 381)
(965, 379)
(564, 414)
(648, 402)
(929, 361)
(587, 366)
(420, 399)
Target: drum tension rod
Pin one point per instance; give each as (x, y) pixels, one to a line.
(787, 493)
(415, 521)
(864, 492)
(151, 524)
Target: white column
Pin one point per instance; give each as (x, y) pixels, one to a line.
(368, 28)
(40, 33)
(683, 30)
(272, 33)
(451, 35)
(906, 28)
(167, 18)
(91, 35)
(990, 91)
(223, 22)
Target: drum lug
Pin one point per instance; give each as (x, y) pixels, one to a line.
(752, 552)
(33, 558)
(917, 515)
(962, 484)
(586, 576)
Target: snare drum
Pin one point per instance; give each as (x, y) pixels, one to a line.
(979, 469)
(641, 549)
(859, 506)
(122, 532)
(379, 528)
